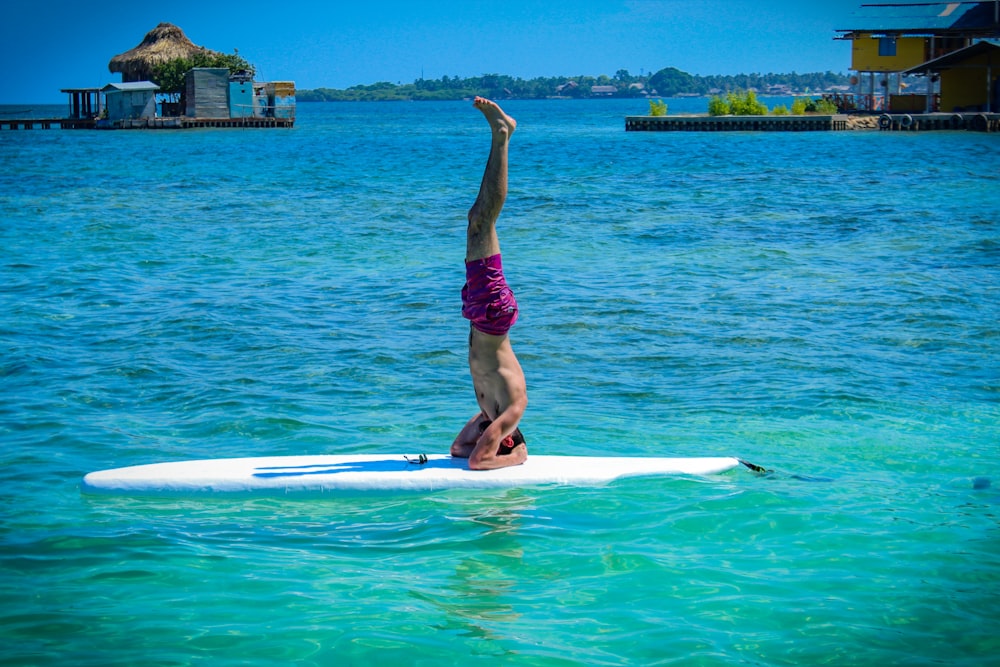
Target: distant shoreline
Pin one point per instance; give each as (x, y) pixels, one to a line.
(666, 83)
(557, 98)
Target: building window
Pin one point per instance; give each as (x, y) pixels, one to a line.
(887, 46)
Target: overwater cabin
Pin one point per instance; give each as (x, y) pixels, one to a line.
(215, 93)
(206, 96)
(206, 92)
(891, 41)
(280, 99)
(209, 92)
(969, 78)
(130, 101)
(241, 95)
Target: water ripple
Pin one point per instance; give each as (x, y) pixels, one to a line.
(822, 305)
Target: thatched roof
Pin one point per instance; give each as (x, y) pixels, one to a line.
(163, 43)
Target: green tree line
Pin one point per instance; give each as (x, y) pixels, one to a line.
(668, 82)
(169, 76)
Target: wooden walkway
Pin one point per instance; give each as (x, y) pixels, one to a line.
(178, 123)
(183, 123)
(734, 123)
(898, 122)
(904, 122)
(47, 123)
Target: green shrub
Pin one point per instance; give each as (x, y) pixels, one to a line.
(718, 107)
(780, 110)
(170, 75)
(657, 108)
(826, 107)
(809, 105)
(746, 104)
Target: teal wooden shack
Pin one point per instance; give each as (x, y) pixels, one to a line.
(241, 99)
(260, 102)
(281, 99)
(131, 100)
(241, 102)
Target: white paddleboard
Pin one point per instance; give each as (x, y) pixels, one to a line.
(278, 475)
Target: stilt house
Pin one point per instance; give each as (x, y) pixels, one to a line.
(945, 41)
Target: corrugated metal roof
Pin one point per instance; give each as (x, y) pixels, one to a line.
(132, 85)
(930, 18)
(956, 58)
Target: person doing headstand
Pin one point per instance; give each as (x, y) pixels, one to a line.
(491, 439)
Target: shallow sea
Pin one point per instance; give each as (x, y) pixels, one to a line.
(823, 304)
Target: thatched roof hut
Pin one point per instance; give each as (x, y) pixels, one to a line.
(162, 44)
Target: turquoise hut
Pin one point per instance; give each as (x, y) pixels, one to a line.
(135, 99)
(241, 102)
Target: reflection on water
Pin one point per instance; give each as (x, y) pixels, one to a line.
(479, 594)
(822, 303)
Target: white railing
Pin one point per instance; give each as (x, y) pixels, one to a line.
(268, 109)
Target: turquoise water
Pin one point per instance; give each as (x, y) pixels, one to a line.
(824, 304)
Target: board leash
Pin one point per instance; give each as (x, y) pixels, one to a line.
(760, 470)
(420, 460)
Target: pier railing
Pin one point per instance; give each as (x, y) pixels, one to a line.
(266, 111)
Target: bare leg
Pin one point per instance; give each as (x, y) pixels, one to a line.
(481, 240)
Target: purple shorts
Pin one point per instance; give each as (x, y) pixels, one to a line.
(487, 301)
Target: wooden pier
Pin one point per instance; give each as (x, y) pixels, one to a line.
(47, 123)
(184, 123)
(904, 122)
(176, 123)
(705, 123)
(897, 122)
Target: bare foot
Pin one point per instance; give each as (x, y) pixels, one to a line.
(498, 120)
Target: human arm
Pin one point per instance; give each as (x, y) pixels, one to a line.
(466, 439)
(486, 453)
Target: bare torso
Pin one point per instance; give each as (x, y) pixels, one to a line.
(496, 374)
(502, 396)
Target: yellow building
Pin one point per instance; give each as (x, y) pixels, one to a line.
(890, 41)
(968, 78)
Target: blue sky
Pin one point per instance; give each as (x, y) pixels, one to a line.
(338, 44)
